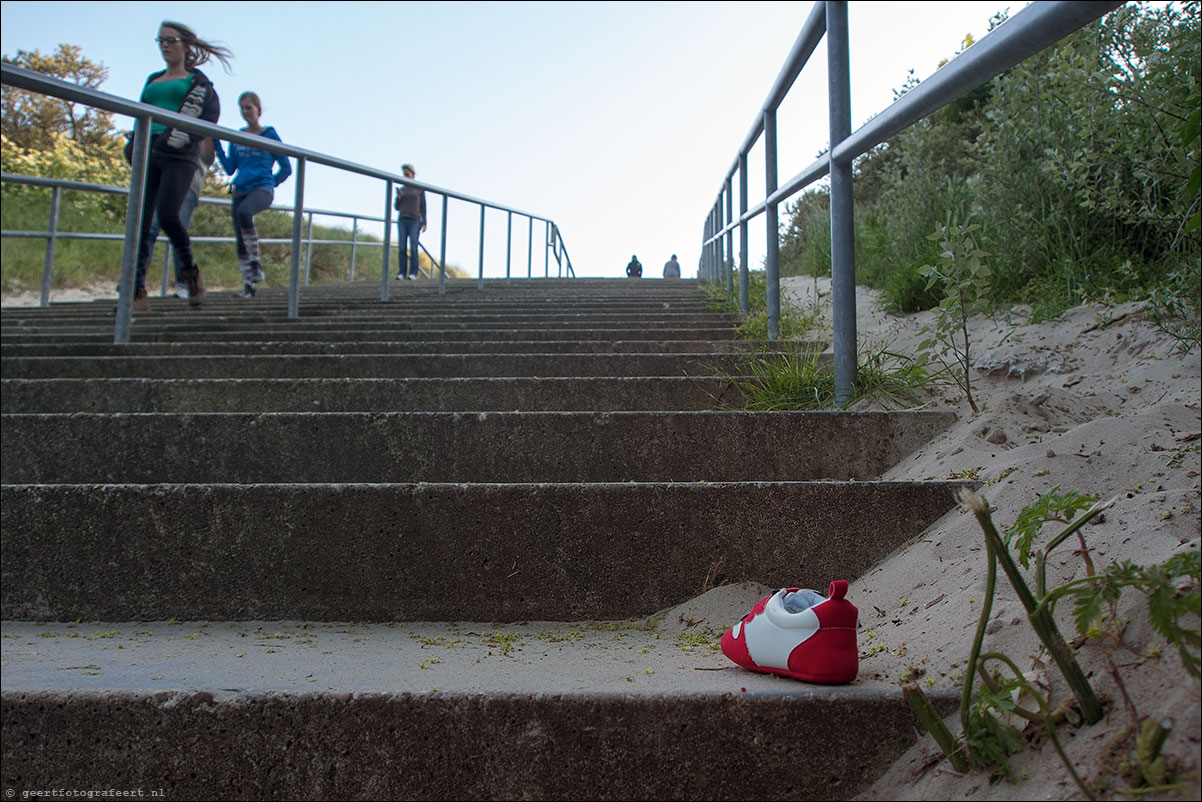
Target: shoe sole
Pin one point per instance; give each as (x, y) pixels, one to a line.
(814, 678)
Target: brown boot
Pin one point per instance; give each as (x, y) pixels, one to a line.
(141, 300)
(196, 285)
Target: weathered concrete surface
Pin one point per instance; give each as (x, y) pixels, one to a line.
(102, 333)
(450, 317)
(459, 447)
(389, 346)
(287, 709)
(370, 365)
(487, 394)
(433, 551)
(451, 746)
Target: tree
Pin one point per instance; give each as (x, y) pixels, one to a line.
(30, 121)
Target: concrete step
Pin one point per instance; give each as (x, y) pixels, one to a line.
(298, 710)
(451, 316)
(371, 365)
(385, 346)
(180, 322)
(433, 552)
(304, 332)
(504, 394)
(270, 303)
(313, 447)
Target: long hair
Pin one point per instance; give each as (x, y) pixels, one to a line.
(198, 50)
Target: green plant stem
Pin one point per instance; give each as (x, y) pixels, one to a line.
(1041, 569)
(1041, 619)
(1156, 790)
(1045, 718)
(931, 719)
(972, 405)
(979, 637)
(993, 687)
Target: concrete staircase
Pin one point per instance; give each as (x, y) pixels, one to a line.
(414, 549)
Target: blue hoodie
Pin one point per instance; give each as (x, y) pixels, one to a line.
(251, 167)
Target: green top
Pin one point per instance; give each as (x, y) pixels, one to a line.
(166, 95)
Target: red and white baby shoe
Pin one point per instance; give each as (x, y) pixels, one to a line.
(800, 634)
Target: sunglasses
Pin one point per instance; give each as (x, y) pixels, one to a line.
(167, 40)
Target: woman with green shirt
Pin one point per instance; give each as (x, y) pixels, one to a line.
(174, 154)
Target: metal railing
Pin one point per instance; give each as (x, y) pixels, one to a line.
(144, 115)
(1032, 29)
(53, 234)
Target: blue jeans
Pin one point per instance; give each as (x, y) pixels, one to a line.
(186, 209)
(409, 228)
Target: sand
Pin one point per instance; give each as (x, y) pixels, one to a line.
(1097, 401)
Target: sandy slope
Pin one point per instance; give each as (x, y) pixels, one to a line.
(1098, 402)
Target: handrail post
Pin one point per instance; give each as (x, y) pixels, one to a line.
(547, 252)
(719, 247)
(298, 210)
(743, 288)
(772, 225)
(718, 239)
(715, 248)
(730, 236)
(133, 228)
(442, 254)
(48, 270)
(354, 243)
(707, 250)
(843, 266)
(560, 252)
(309, 250)
(387, 241)
(168, 252)
(508, 244)
(529, 246)
(480, 277)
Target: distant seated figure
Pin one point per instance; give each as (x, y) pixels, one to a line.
(672, 268)
(634, 269)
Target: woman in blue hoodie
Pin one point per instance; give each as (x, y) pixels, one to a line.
(254, 188)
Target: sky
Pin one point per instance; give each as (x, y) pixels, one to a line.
(619, 121)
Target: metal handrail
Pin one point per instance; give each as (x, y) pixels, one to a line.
(51, 236)
(144, 114)
(1032, 29)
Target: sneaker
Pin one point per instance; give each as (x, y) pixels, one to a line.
(409, 277)
(256, 272)
(800, 634)
(181, 291)
(248, 291)
(141, 300)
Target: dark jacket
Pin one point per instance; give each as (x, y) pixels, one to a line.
(200, 102)
(411, 202)
(634, 269)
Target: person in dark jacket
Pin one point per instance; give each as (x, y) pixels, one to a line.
(635, 268)
(411, 220)
(672, 268)
(175, 154)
